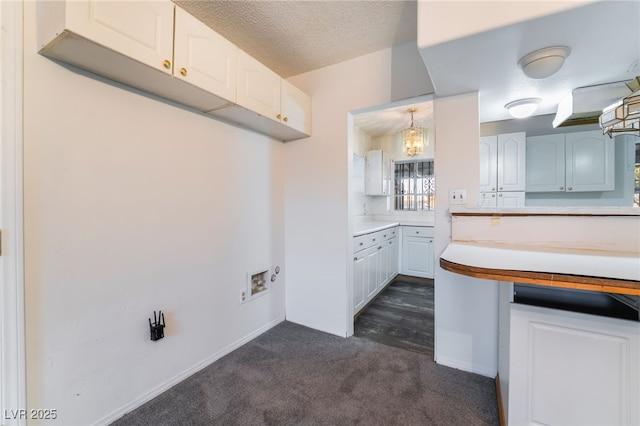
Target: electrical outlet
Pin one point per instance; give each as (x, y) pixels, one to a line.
(243, 296)
(457, 196)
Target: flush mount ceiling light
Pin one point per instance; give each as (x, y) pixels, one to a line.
(414, 139)
(522, 107)
(544, 62)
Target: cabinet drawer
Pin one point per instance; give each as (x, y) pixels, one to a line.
(417, 231)
(360, 243)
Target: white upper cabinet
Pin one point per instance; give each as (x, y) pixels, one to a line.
(258, 87)
(545, 163)
(137, 42)
(266, 93)
(488, 163)
(502, 170)
(571, 162)
(502, 162)
(378, 169)
(296, 107)
(590, 162)
(511, 162)
(203, 57)
(267, 103)
(137, 29)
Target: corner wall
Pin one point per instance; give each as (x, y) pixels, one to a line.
(318, 222)
(466, 309)
(133, 205)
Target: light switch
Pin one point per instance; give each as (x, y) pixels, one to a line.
(457, 196)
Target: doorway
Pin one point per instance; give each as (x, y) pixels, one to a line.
(402, 314)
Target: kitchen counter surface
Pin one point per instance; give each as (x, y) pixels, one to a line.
(368, 226)
(545, 211)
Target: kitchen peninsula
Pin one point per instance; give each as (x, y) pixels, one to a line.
(568, 279)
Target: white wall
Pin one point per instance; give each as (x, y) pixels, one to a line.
(466, 309)
(317, 185)
(134, 205)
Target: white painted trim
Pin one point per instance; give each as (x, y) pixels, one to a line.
(148, 396)
(12, 343)
(465, 366)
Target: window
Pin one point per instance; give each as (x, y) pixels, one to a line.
(415, 185)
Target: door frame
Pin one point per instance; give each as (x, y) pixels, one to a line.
(12, 322)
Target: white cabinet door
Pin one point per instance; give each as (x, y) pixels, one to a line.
(394, 257)
(373, 271)
(511, 161)
(360, 285)
(510, 199)
(590, 162)
(385, 273)
(488, 163)
(545, 161)
(141, 30)
(258, 87)
(204, 58)
(377, 165)
(568, 368)
(295, 107)
(417, 256)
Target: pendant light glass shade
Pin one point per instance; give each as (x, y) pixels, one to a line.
(623, 116)
(414, 139)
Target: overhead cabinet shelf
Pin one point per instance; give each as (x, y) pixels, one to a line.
(159, 48)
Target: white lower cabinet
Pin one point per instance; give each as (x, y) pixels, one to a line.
(570, 368)
(417, 251)
(375, 264)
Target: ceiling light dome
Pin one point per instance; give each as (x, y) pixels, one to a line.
(544, 62)
(522, 107)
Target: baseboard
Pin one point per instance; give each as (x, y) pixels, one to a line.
(465, 367)
(503, 420)
(185, 374)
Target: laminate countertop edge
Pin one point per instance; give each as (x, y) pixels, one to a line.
(594, 271)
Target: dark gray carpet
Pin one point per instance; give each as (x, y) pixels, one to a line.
(402, 315)
(293, 375)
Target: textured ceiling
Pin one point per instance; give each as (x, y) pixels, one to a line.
(293, 37)
(389, 121)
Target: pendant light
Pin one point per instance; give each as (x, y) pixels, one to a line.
(623, 116)
(414, 139)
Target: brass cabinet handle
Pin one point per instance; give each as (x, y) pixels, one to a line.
(166, 64)
(379, 247)
(570, 188)
(355, 258)
(286, 119)
(183, 71)
(500, 188)
(561, 188)
(499, 195)
(279, 116)
(361, 243)
(493, 188)
(417, 232)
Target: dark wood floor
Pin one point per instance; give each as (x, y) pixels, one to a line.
(401, 316)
